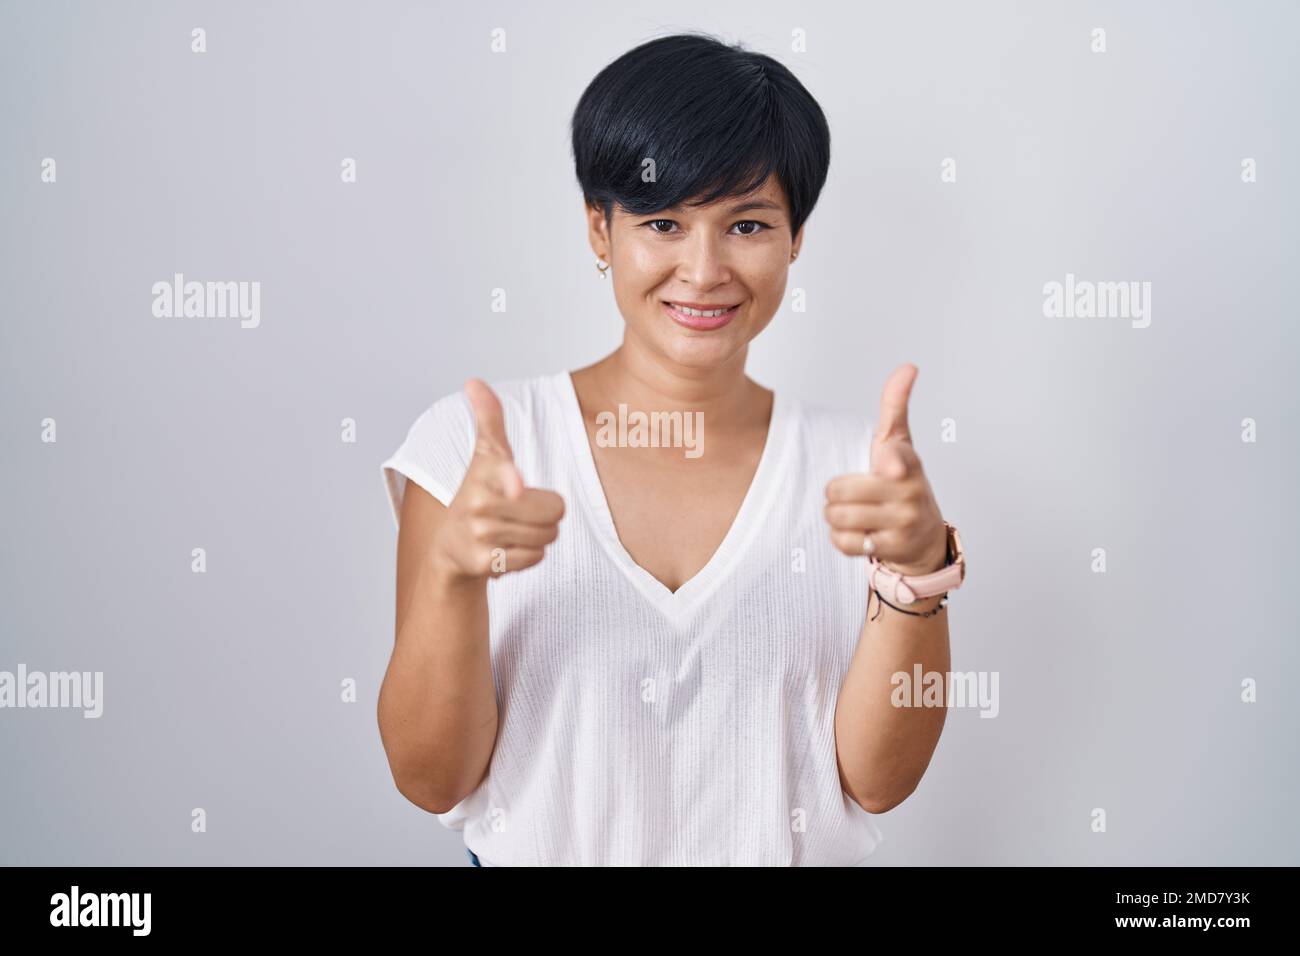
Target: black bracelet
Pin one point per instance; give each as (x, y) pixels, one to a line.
(943, 602)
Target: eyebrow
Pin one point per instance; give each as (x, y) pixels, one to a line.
(755, 204)
(739, 207)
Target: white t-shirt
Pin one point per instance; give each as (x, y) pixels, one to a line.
(645, 727)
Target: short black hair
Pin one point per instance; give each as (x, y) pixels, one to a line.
(716, 119)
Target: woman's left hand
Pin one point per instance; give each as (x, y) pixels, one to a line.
(893, 502)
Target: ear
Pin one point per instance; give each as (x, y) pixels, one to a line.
(597, 231)
(798, 241)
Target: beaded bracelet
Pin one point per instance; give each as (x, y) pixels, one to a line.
(943, 602)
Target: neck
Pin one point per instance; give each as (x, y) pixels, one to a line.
(630, 374)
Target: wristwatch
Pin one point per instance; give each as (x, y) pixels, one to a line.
(907, 589)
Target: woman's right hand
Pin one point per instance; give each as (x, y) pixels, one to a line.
(494, 524)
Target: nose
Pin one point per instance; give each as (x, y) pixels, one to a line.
(703, 263)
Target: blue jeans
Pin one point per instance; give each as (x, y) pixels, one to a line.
(472, 858)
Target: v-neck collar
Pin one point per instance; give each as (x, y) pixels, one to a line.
(757, 502)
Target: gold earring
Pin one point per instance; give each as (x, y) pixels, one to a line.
(602, 267)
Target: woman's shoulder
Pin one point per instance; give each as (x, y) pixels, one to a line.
(827, 418)
(450, 417)
(518, 395)
(440, 442)
(836, 431)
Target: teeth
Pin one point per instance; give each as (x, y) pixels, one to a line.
(708, 314)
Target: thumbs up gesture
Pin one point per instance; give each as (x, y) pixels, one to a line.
(892, 505)
(494, 524)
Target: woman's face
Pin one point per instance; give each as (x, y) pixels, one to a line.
(732, 254)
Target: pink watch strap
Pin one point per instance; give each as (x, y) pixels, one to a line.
(904, 589)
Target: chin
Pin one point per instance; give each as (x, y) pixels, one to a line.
(702, 351)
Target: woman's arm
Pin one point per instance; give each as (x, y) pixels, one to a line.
(437, 705)
(884, 750)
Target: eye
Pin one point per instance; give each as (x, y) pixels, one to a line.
(755, 227)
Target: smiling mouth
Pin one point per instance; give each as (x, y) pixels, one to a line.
(701, 320)
(705, 313)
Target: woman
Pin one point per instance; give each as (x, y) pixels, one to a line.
(624, 635)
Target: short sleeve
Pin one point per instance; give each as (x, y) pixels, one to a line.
(435, 454)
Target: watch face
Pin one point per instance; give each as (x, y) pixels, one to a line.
(955, 550)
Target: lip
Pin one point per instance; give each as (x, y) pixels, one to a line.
(700, 323)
